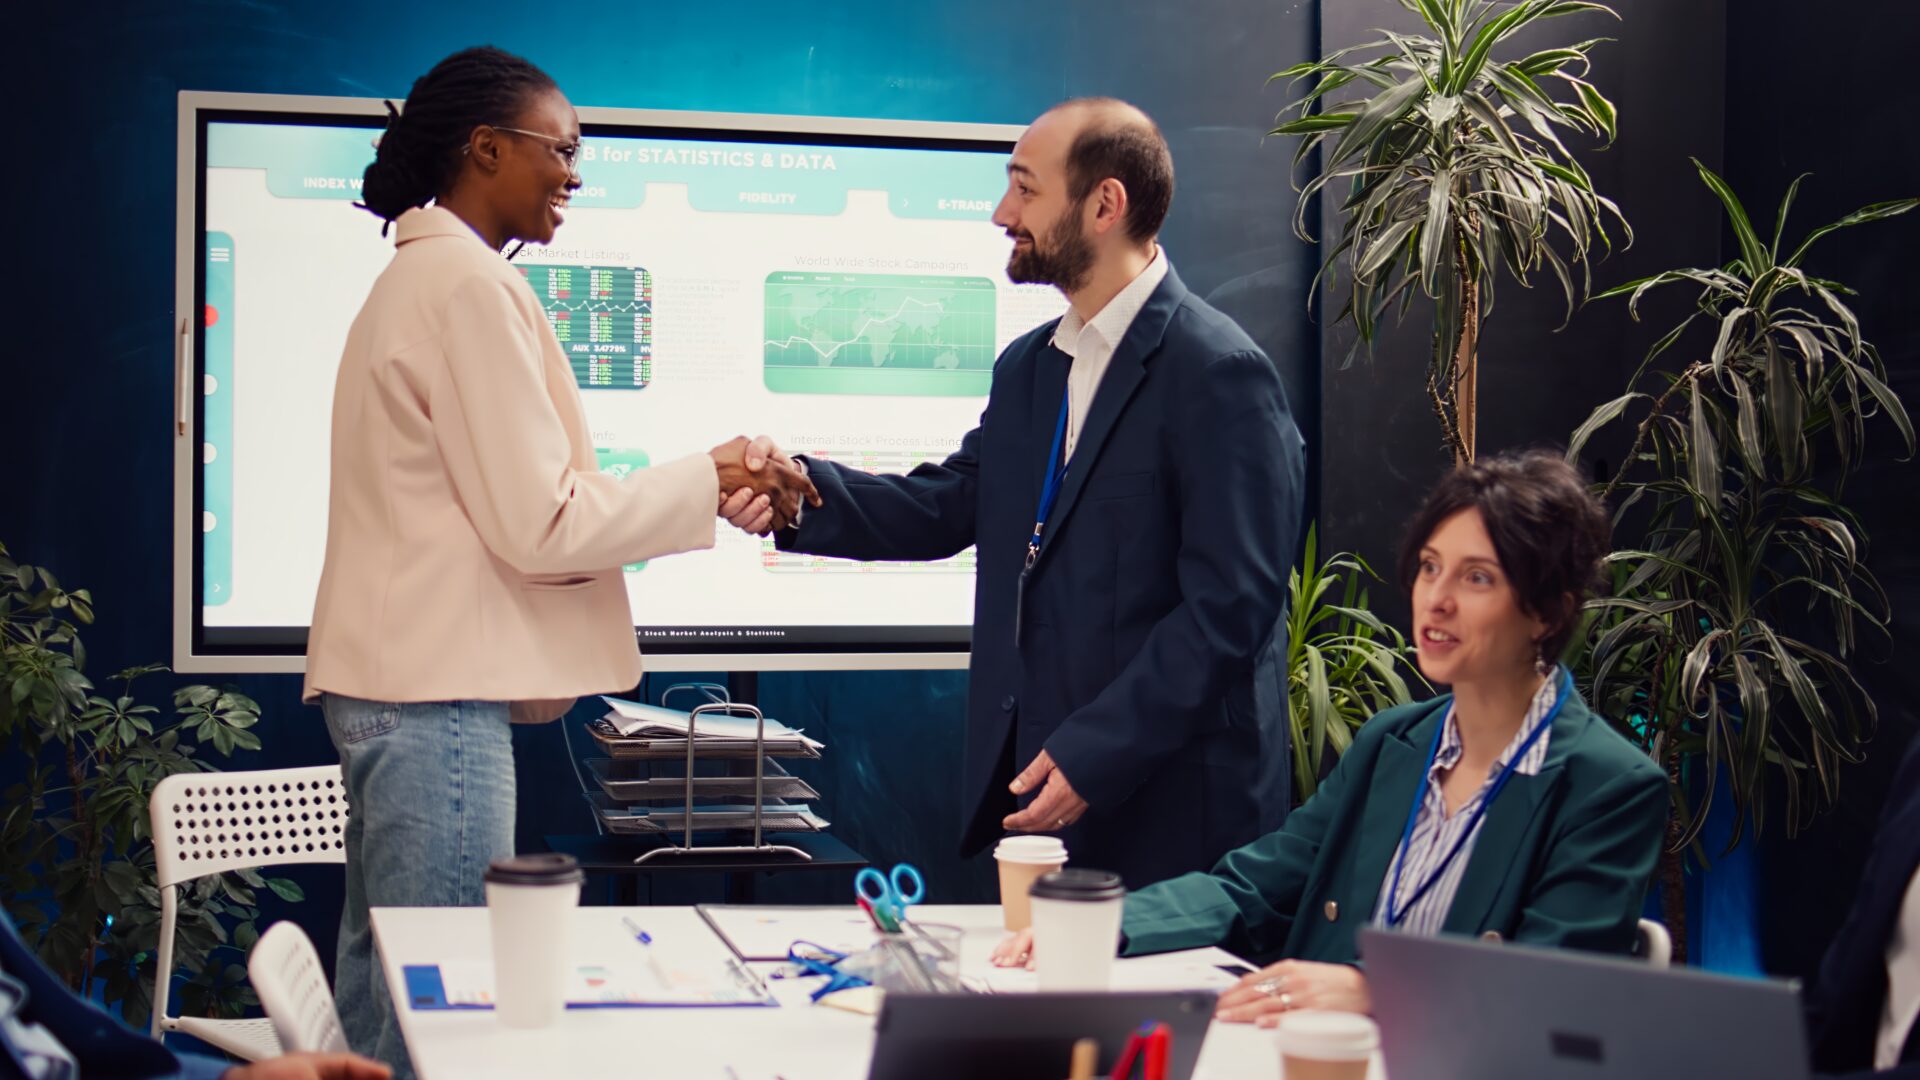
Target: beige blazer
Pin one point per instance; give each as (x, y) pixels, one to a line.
(473, 545)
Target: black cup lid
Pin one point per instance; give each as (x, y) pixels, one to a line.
(546, 868)
(1078, 884)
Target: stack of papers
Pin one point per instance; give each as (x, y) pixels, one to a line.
(635, 720)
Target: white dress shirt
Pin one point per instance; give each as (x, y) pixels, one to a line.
(1903, 981)
(1435, 831)
(1090, 343)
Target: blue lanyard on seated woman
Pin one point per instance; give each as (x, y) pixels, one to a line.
(1398, 914)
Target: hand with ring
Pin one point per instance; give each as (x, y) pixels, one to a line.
(1055, 807)
(1294, 984)
(1015, 951)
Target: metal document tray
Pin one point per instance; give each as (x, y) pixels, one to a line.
(617, 780)
(628, 820)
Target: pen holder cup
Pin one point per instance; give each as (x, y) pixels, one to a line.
(939, 947)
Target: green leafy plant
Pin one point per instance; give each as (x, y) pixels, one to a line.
(75, 839)
(1732, 626)
(1342, 661)
(1454, 167)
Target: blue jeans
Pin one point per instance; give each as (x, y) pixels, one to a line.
(431, 787)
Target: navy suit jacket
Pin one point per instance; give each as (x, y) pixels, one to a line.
(102, 1047)
(1847, 996)
(1152, 659)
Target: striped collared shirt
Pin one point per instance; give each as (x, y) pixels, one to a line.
(1435, 831)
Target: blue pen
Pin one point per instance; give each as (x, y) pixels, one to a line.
(653, 958)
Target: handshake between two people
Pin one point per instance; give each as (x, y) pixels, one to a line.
(762, 489)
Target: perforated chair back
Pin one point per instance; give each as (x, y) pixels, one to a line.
(286, 973)
(206, 823)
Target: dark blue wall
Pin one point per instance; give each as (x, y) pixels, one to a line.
(87, 440)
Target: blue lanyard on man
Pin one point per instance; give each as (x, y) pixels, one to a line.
(1397, 914)
(1056, 472)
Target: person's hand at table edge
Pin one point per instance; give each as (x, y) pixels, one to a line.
(311, 1067)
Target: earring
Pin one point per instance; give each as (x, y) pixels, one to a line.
(1540, 664)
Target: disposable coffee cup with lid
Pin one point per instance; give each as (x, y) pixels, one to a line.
(1324, 1045)
(1079, 886)
(530, 905)
(1021, 860)
(542, 868)
(1031, 849)
(1076, 928)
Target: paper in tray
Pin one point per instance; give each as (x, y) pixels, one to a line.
(776, 786)
(776, 817)
(645, 748)
(632, 718)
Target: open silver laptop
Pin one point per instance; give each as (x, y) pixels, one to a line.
(1453, 1008)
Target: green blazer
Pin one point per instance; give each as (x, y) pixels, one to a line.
(1563, 857)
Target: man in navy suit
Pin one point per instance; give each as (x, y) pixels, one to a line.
(1862, 1004)
(1133, 492)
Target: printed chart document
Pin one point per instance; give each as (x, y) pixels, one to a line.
(622, 972)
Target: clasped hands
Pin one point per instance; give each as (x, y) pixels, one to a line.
(761, 488)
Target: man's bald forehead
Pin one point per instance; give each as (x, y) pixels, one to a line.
(1105, 112)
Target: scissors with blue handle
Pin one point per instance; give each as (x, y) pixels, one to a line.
(891, 895)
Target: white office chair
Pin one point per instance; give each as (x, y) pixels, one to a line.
(1653, 944)
(286, 973)
(207, 823)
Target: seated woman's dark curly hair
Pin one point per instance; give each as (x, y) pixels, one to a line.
(1548, 530)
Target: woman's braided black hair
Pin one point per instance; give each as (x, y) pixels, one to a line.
(419, 154)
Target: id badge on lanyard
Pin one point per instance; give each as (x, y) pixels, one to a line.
(1398, 914)
(1056, 472)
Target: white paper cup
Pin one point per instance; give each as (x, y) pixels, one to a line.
(1022, 860)
(530, 902)
(1321, 1045)
(1076, 928)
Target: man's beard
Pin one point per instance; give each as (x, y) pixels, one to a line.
(1064, 261)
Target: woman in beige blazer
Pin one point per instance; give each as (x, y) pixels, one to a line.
(473, 548)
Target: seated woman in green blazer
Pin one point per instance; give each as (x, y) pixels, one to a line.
(1506, 809)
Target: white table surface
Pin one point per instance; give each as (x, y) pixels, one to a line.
(796, 1041)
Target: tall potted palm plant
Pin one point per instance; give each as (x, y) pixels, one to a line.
(1453, 166)
(1735, 618)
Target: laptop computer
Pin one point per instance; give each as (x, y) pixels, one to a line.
(1027, 1036)
(1455, 1007)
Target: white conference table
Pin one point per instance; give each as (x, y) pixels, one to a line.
(796, 1041)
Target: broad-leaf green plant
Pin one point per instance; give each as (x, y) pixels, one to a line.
(75, 842)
